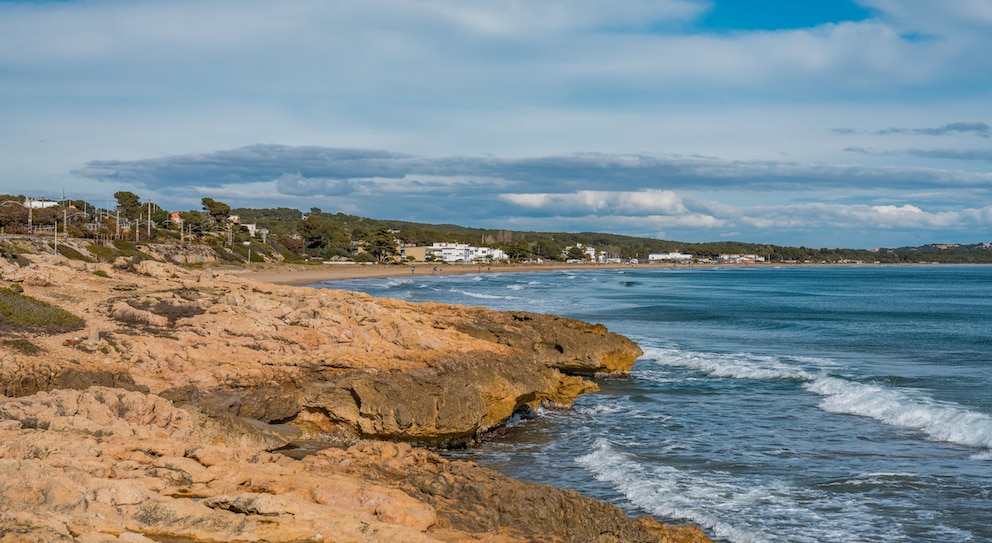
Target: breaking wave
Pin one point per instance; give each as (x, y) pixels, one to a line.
(903, 408)
(737, 509)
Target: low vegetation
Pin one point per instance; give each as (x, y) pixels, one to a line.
(20, 313)
(23, 346)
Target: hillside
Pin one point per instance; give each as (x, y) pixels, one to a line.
(285, 234)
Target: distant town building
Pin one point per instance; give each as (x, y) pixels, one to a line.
(591, 254)
(740, 259)
(669, 257)
(452, 252)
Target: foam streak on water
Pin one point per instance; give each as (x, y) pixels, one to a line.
(732, 507)
(902, 408)
(939, 421)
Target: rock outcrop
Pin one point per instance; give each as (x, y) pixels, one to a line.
(159, 420)
(334, 363)
(107, 464)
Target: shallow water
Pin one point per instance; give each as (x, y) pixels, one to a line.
(771, 404)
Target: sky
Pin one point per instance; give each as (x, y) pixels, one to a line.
(828, 123)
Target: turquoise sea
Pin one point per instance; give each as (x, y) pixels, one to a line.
(803, 404)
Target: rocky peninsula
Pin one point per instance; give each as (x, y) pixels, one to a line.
(165, 403)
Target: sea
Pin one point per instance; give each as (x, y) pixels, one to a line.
(772, 404)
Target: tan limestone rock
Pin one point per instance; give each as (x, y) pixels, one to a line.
(243, 368)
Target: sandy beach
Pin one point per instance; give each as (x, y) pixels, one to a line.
(311, 274)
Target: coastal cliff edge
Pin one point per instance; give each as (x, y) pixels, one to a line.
(158, 410)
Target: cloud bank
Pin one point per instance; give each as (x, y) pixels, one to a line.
(697, 198)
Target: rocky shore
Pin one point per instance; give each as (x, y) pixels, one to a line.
(164, 413)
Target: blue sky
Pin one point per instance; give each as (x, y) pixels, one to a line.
(828, 124)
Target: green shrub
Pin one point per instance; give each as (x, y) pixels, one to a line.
(20, 313)
(23, 346)
(100, 273)
(102, 252)
(71, 253)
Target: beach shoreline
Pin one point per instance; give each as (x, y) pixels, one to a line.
(298, 275)
(310, 274)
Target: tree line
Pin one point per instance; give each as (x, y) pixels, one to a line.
(298, 235)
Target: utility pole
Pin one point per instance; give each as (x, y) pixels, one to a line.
(56, 235)
(149, 219)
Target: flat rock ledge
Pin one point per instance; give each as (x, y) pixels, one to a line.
(158, 419)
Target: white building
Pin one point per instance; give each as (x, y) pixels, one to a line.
(41, 204)
(740, 259)
(463, 252)
(591, 254)
(669, 257)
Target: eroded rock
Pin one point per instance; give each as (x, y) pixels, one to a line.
(231, 369)
(106, 464)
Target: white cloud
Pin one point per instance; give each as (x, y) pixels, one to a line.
(516, 17)
(649, 202)
(907, 215)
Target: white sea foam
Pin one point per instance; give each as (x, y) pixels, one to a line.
(482, 296)
(515, 286)
(880, 479)
(902, 408)
(987, 455)
(737, 366)
(738, 510)
(598, 409)
(905, 409)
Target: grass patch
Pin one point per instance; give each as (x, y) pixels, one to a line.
(102, 252)
(20, 313)
(100, 273)
(23, 346)
(72, 254)
(125, 248)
